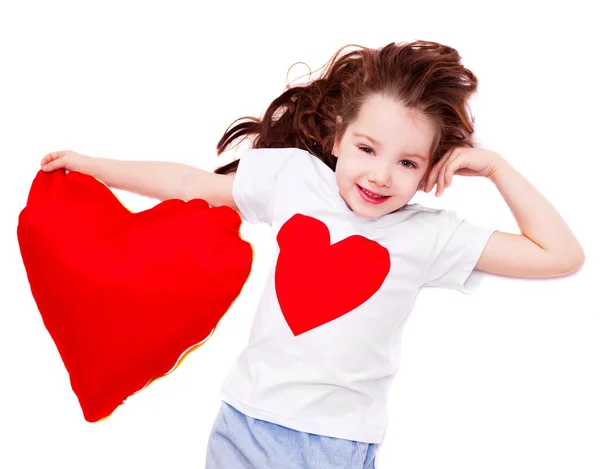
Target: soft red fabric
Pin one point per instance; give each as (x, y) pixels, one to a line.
(122, 294)
(316, 281)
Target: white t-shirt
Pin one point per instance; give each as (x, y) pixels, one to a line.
(325, 341)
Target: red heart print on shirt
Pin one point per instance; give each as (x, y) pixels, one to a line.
(316, 281)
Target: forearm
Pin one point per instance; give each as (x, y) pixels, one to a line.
(537, 218)
(154, 179)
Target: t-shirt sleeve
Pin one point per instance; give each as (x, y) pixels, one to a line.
(458, 245)
(255, 181)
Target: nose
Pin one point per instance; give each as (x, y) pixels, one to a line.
(380, 175)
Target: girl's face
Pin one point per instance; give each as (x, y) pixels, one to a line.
(382, 157)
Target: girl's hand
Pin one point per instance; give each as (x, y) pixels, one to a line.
(61, 159)
(465, 161)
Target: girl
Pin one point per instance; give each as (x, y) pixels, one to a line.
(333, 166)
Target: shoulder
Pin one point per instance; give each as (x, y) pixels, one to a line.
(262, 175)
(421, 214)
(417, 225)
(272, 154)
(425, 211)
(434, 226)
(264, 164)
(290, 163)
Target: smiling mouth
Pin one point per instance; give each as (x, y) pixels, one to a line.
(372, 197)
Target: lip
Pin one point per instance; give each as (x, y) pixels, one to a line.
(368, 198)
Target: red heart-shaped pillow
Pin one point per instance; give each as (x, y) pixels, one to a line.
(125, 295)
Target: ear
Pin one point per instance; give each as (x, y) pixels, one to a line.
(337, 138)
(421, 185)
(336, 146)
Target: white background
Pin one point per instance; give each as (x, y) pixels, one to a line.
(505, 378)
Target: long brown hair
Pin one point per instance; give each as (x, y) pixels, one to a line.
(422, 75)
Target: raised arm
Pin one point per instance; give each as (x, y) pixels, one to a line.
(155, 179)
(216, 189)
(546, 246)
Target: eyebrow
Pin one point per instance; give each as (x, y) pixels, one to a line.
(375, 142)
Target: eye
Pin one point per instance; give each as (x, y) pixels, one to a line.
(410, 164)
(367, 150)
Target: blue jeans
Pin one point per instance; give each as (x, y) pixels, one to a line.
(241, 442)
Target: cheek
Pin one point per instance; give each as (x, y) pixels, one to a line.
(405, 181)
(344, 171)
(342, 178)
(350, 165)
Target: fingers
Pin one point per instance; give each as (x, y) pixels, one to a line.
(49, 157)
(53, 155)
(441, 174)
(49, 162)
(432, 176)
(447, 172)
(441, 179)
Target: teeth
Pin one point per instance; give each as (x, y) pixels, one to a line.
(371, 194)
